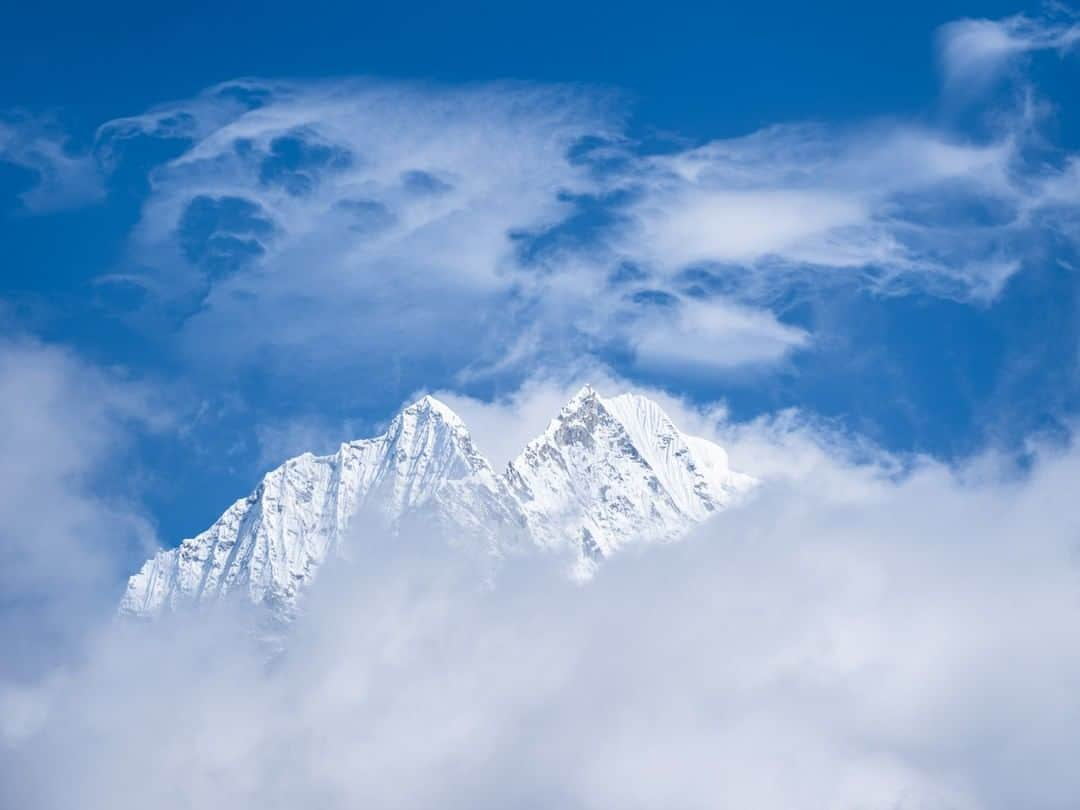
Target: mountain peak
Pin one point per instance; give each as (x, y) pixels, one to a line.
(586, 394)
(428, 418)
(429, 405)
(605, 473)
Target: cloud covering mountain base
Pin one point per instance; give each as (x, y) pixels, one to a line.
(844, 640)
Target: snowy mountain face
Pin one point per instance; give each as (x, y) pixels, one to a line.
(605, 473)
(608, 472)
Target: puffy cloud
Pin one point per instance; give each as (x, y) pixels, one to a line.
(66, 534)
(847, 639)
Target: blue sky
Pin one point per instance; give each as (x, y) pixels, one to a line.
(272, 229)
(840, 240)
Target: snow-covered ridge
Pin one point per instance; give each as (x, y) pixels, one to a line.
(605, 473)
(608, 472)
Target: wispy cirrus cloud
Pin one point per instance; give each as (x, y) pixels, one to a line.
(62, 177)
(415, 233)
(976, 52)
(352, 215)
(895, 206)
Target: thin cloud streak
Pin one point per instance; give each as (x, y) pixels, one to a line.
(976, 52)
(61, 177)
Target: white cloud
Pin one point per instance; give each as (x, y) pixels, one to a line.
(706, 337)
(64, 540)
(356, 222)
(502, 427)
(413, 233)
(975, 52)
(895, 206)
(848, 639)
(738, 225)
(63, 178)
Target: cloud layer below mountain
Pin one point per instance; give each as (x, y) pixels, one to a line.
(852, 637)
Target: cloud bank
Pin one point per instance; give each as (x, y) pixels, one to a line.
(848, 639)
(64, 522)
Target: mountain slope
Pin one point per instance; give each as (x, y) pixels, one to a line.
(606, 472)
(270, 544)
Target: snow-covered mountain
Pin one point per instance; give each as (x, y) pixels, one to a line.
(605, 473)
